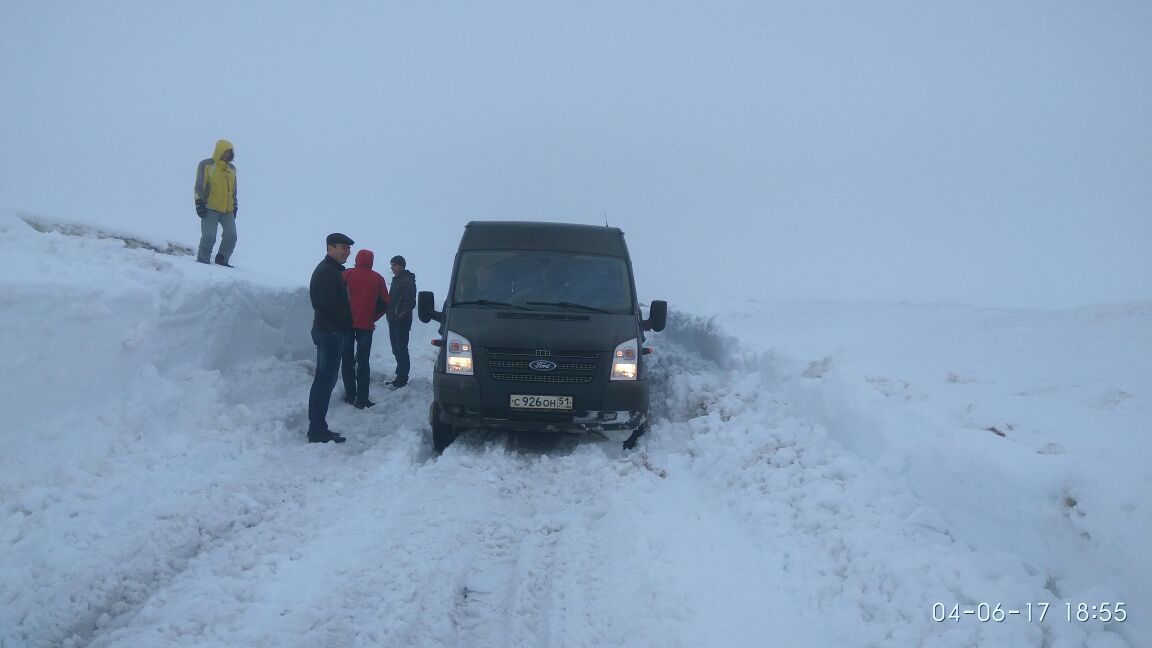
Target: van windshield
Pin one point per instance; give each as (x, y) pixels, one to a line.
(543, 280)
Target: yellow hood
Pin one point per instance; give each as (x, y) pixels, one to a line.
(221, 146)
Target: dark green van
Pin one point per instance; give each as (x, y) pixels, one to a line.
(541, 332)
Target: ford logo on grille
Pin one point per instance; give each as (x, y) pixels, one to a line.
(542, 365)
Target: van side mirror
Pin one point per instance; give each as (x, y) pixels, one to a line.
(426, 307)
(657, 316)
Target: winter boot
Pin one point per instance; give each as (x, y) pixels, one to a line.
(325, 437)
(220, 261)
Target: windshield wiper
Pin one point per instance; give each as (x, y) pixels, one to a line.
(489, 302)
(564, 304)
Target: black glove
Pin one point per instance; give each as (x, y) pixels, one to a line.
(201, 209)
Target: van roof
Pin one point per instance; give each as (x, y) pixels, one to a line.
(526, 235)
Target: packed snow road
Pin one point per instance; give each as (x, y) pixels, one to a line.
(173, 500)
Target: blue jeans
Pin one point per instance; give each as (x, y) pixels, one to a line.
(355, 369)
(398, 335)
(208, 225)
(329, 344)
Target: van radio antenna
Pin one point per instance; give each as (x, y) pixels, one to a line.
(605, 218)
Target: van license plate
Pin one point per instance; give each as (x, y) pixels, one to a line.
(528, 401)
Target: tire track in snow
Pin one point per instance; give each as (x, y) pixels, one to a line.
(485, 546)
(155, 528)
(481, 561)
(238, 569)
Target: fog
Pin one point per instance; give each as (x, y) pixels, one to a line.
(979, 152)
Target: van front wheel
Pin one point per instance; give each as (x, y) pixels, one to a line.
(443, 434)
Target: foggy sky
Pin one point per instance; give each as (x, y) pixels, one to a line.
(980, 152)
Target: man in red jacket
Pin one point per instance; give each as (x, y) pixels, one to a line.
(368, 296)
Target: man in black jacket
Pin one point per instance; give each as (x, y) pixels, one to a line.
(402, 296)
(332, 322)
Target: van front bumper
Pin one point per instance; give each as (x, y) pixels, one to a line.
(613, 410)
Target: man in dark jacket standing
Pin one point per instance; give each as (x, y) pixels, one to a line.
(368, 294)
(403, 301)
(332, 323)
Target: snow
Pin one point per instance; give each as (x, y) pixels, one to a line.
(818, 474)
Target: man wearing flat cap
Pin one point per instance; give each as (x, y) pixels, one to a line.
(400, 307)
(331, 324)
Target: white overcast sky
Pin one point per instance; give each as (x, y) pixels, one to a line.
(984, 152)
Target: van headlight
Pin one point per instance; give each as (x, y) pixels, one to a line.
(624, 360)
(459, 355)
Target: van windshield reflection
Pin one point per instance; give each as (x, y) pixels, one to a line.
(539, 280)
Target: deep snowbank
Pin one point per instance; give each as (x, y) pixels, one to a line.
(1025, 431)
(117, 364)
(817, 474)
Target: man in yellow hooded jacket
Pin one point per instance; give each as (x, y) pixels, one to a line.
(215, 194)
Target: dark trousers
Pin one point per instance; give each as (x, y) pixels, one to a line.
(354, 368)
(329, 345)
(398, 331)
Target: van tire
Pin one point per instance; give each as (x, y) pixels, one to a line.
(443, 434)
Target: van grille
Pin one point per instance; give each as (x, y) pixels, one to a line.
(541, 353)
(542, 378)
(513, 365)
(561, 366)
